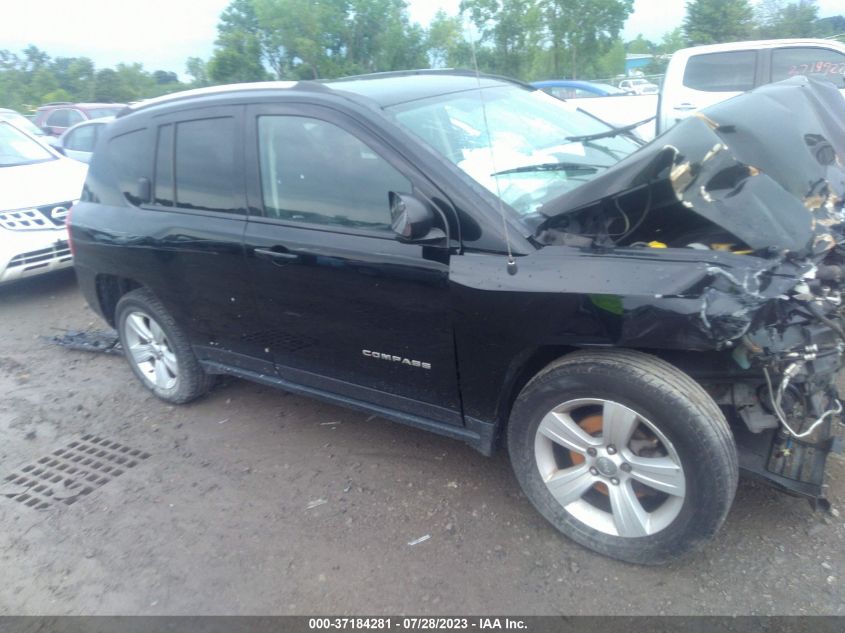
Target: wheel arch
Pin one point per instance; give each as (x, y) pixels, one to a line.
(110, 288)
(523, 367)
(531, 362)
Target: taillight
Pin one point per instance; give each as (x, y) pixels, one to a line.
(69, 236)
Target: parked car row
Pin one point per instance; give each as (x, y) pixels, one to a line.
(56, 118)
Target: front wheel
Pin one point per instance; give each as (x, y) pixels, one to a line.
(624, 454)
(157, 350)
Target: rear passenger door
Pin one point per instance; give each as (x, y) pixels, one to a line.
(196, 220)
(346, 307)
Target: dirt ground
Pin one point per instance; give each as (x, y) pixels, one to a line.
(253, 501)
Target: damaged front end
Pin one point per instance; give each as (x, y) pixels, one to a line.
(729, 234)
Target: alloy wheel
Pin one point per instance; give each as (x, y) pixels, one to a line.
(610, 467)
(150, 350)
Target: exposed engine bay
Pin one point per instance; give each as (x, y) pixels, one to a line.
(751, 192)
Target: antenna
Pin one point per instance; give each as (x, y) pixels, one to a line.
(512, 268)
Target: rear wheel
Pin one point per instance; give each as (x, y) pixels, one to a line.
(624, 454)
(157, 350)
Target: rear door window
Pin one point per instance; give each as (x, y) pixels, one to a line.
(721, 72)
(819, 63)
(204, 166)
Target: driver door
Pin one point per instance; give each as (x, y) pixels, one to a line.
(346, 307)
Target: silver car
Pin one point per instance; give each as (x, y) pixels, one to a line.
(78, 141)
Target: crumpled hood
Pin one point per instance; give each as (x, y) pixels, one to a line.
(768, 166)
(25, 186)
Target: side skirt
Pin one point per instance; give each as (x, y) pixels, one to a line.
(479, 435)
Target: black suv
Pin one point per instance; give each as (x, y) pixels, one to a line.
(470, 256)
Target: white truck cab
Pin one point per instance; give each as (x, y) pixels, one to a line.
(704, 75)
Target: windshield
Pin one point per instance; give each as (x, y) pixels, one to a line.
(528, 157)
(16, 148)
(99, 113)
(20, 121)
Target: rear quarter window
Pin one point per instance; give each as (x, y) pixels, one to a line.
(131, 159)
(731, 71)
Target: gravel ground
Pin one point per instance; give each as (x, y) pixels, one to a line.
(253, 501)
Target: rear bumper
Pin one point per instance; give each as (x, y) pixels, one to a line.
(29, 253)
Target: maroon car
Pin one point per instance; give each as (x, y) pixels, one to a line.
(55, 118)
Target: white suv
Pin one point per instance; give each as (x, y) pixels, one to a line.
(704, 75)
(37, 188)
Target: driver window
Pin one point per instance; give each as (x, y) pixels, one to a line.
(313, 171)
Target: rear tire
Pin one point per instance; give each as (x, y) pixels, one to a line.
(157, 349)
(624, 454)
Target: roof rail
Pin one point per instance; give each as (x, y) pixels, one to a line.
(461, 72)
(57, 103)
(216, 90)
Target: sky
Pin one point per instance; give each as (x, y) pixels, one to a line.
(162, 34)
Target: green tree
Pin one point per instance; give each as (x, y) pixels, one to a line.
(41, 82)
(447, 47)
(197, 70)
(582, 31)
(33, 78)
(832, 26)
(313, 39)
(779, 19)
(612, 63)
(510, 30)
(304, 39)
(379, 37)
(75, 76)
(34, 59)
(164, 77)
(713, 21)
(672, 41)
(108, 87)
(640, 46)
(238, 54)
(12, 81)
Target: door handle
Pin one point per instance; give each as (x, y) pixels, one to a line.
(684, 107)
(278, 255)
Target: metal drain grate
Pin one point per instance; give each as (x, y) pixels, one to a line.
(70, 472)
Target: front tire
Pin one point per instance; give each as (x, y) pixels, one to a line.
(625, 454)
(157, 350)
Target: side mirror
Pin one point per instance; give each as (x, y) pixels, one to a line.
(412, 219)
